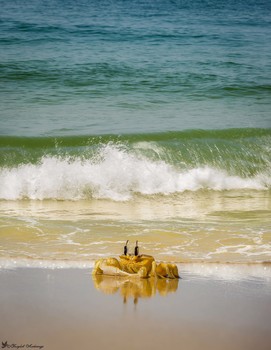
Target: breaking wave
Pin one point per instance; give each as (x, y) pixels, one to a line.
(114, 171)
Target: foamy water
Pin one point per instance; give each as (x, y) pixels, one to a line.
(116, 174)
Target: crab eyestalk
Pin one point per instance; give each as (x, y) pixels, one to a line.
(136, 249)
(126, 247)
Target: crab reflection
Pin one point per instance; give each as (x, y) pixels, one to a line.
(131, 288)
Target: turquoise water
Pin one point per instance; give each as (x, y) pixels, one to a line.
(147, 120)
(96, 67)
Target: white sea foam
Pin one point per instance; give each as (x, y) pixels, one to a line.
(117, 174)
(228, 272)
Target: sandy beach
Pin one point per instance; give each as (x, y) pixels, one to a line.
(68, 309)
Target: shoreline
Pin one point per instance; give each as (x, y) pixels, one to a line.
(218, 269)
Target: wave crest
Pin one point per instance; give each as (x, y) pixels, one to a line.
(115, 174)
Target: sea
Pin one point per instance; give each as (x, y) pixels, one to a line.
(139, 120)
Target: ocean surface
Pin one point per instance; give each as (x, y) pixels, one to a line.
(141, 120)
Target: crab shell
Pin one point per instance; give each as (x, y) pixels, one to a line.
(142, 266)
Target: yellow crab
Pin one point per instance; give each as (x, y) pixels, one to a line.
(143, 266)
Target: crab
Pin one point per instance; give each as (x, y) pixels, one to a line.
(142, 266)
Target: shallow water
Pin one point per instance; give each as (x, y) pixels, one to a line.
(190, 227)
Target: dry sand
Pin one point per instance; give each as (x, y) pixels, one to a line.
(59, 309)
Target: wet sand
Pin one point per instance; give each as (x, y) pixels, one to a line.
(66, 309)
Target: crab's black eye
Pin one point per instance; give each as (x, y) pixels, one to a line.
(126, 248)
(136, 249)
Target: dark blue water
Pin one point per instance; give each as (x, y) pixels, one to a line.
(95, 67)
